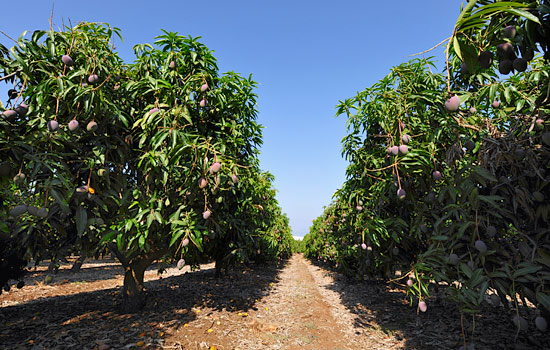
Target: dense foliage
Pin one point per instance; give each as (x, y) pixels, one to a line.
(449, 172)
(156, 159)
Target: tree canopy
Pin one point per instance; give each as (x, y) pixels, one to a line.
(154, 159)
(449, 171)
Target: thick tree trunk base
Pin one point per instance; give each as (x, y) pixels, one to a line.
(78, 264)
(134, 297)
(220, 270)
(53, 267)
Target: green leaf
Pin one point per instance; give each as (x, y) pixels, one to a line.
(493, 92)
(60, 200)
(519, 104)
(497, 274)
(523, 13)
(197, 240)
(51, 43)
(175, 236)
(81, 220)
(466, 270)
(456, 47)
(485, 174)
(462, 17)
(107, 238)
(463, 228)
(507, 94)
(526, 271)
(158, 217)
(120, 241)
(544, 257)
(544, 299)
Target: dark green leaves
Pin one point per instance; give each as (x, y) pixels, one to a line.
(81, 218)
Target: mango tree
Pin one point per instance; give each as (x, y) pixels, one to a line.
(448, 171)
(144, 158)
(45, 160)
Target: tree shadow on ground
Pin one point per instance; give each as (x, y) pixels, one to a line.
(91, 319)
(381, 306)
(91, 271)
(94, 270)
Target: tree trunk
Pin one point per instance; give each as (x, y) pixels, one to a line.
(133, 291)
(218, 269)
(52, 267)
(78, 264)
(134, 265)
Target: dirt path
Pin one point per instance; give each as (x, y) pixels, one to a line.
(295, 315)
(298, 311)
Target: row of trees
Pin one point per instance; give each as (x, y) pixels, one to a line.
(449, 172)
(152, 160)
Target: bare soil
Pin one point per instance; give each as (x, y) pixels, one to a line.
(292, 305)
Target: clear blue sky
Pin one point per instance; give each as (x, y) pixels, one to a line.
(306, 56)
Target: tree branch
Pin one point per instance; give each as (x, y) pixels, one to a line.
(10, 75)
(118, 253)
